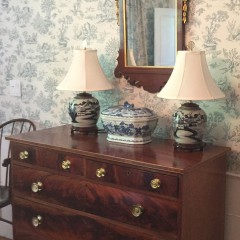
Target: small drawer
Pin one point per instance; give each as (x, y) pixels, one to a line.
(155, 182)
(41, 222)
(23, 153)
(49, 158)
(61, 161)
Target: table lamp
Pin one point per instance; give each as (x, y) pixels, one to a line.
(190, 80)
(85, 75)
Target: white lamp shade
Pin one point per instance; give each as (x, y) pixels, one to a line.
(191, 79)
(85, 73)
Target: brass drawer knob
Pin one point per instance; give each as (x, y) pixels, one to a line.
(66, 164)
(23, 155)
(137, 210)
(36, 221)
(100, 172)
(36, 187)
(155, 183)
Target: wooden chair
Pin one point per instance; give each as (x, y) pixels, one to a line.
(12, 127)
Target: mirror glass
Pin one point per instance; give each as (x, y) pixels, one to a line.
(150, 31)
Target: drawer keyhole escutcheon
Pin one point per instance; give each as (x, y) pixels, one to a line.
(100, 172)
(137, 210)
(36, 187)
(155, 183)
(23, 155)
(36, 221)
(66, 164)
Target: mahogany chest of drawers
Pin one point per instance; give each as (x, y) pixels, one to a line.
(82, 187)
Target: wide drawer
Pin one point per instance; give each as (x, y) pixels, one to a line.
(42, 222)
(151, 213)
(53, 188)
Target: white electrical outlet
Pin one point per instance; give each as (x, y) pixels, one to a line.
(15, 88)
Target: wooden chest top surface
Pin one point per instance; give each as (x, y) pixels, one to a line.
(159, 154)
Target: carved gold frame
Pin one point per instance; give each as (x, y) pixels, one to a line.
(184, 9)
(151, 78)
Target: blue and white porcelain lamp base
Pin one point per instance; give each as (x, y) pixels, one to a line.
(189, 124)
(84, 110)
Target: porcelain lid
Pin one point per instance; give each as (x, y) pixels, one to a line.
(128, 111)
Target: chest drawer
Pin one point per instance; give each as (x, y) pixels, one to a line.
(52, 188)
(42, 222)
(151, 213)
(44, 157)
(155, 182)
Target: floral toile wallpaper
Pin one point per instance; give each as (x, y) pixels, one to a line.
(36, 42)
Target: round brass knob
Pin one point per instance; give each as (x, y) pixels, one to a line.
(137, 210)
(36, 187)
(155, 183)
(23, 155)
(36, 221)
(100, 172)
(66, 164)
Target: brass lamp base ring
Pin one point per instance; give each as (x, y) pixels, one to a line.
(84, 130)
(189, 147)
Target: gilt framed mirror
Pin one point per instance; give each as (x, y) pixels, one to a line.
(151, 33)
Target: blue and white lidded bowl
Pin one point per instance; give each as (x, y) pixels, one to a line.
(126, 124)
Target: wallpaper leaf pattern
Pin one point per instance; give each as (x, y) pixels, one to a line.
(36, 42)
